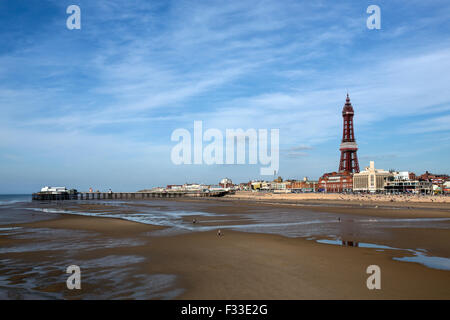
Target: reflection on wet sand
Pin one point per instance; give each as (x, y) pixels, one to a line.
(350, 243)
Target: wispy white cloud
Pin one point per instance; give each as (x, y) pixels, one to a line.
(435, 124)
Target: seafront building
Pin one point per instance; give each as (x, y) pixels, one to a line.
(336, 182)
(409, 186)
(55, 193)
(226, 183)
(432, 176)
(174, 187)
(259, 185)
(187, 187)
(280, 186)
(304, 185)
(370, 180)
(54, 189)
(446, 186)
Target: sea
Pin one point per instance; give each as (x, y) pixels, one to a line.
(8, 199)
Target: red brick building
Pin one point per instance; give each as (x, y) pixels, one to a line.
(430, 176)
(302, 185)
(336, 182)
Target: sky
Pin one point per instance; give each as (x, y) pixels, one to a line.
(96, 106)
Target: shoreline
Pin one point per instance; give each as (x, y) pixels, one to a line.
(319, 196)
(330, 199)
(385, 209)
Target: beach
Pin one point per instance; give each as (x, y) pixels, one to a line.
(405, 200)
(153, 250)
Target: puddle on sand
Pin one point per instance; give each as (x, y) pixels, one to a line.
(345, 243)
(420, 256)
(428, 261)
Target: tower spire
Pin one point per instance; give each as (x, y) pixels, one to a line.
(348, 148)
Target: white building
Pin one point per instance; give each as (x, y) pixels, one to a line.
(195, 187)
(408, 186)
(279, 185)
(54, 189)
(217, 188)
(226, 183)
(402, 175)
(370, 180)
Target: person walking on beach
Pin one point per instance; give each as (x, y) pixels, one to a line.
(219, 233)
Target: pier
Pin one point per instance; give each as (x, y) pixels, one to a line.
(124, 195)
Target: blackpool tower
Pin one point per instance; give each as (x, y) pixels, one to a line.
(349, 159)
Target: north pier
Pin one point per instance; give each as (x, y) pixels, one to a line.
(75, 195)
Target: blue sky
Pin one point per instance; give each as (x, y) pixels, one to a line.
(97, 106)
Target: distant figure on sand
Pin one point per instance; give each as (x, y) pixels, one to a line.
(194, 220)
(219, 233)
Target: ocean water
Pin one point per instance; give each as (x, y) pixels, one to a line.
(11, 209)
(9, 199)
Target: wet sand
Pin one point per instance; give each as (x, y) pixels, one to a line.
(202, 265)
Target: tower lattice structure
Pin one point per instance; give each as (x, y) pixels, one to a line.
(348, 148)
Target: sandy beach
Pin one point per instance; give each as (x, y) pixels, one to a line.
(404, 200)
(123, 259)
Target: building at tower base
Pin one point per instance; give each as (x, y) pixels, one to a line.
(336, 182)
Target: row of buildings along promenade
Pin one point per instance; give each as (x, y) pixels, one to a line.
(349, 178)
(371, 180)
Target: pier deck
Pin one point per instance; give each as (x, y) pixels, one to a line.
(124, 195)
